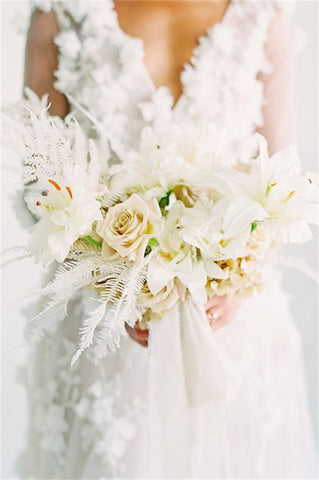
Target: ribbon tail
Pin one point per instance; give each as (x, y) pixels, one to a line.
(190, 386)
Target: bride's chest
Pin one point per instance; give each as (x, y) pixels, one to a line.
(169, 32)
(105, 71)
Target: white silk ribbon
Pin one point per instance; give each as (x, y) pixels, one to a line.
(189, 380)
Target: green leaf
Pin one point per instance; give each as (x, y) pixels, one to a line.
(147, 250)
(164, 201)
(253, 227)
(153, 242)
(89, 239)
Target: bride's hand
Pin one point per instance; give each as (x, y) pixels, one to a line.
(221, 310)
(137, 334)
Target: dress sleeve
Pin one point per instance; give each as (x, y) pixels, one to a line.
(279, 107)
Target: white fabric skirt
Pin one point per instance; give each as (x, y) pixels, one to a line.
(194, 404)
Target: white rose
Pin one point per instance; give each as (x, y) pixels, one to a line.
(128, 226)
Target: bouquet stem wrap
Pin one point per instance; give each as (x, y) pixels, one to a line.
(190, 385)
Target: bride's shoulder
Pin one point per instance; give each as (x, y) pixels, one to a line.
(75, 9)
(282, 32)
(283, 7)
(92, 16)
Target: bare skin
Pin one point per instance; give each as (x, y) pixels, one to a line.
(170, 30)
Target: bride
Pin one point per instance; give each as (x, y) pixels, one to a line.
(131, 63)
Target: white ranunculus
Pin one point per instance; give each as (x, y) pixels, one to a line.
(128, 226)
(65, 215)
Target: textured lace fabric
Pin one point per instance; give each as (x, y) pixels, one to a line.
(100, 65)
(93, 421)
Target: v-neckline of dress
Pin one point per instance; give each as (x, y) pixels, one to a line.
(188, 64)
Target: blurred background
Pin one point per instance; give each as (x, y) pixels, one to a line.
(20, 279)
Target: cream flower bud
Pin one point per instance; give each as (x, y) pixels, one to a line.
(164, 299)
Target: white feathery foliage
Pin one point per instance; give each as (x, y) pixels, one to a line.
(120, 288)
(88, 329)
(12, 254)
(119, 284)
(81, 249)
(121, 310)
(69, 278)
(46, 145)
(40, 325)
(94, 168)
(79, 145)
(42, 144)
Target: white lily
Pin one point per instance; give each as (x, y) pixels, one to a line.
(275, 190)
(66, 213)
(174, 258)
(216, 231)
(165, 159)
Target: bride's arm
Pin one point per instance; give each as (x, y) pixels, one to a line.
(278, 126)
(41, 60)
(279, 95)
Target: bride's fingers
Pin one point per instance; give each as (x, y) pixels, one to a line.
(138, 335)
(220, 322)
(209, 304)
(215, 312)
(216, 302)
(216, 317)
(142, 332)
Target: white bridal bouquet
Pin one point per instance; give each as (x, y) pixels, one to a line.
(166, 222)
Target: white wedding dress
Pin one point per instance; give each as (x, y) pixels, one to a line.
(194, 404)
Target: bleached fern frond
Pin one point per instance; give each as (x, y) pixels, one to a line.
(110, 199)
(43, 147)
(106, 324)
(123, 309)
(12, 254)
(94, 168)
(69, 278)
(72, 276)
(20, 111)
(12, 132)
(87, 330)
(40, 325)
(46, 144)
(81, 249)
(80, 144)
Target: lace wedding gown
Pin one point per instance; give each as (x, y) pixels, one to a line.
(233, 404)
